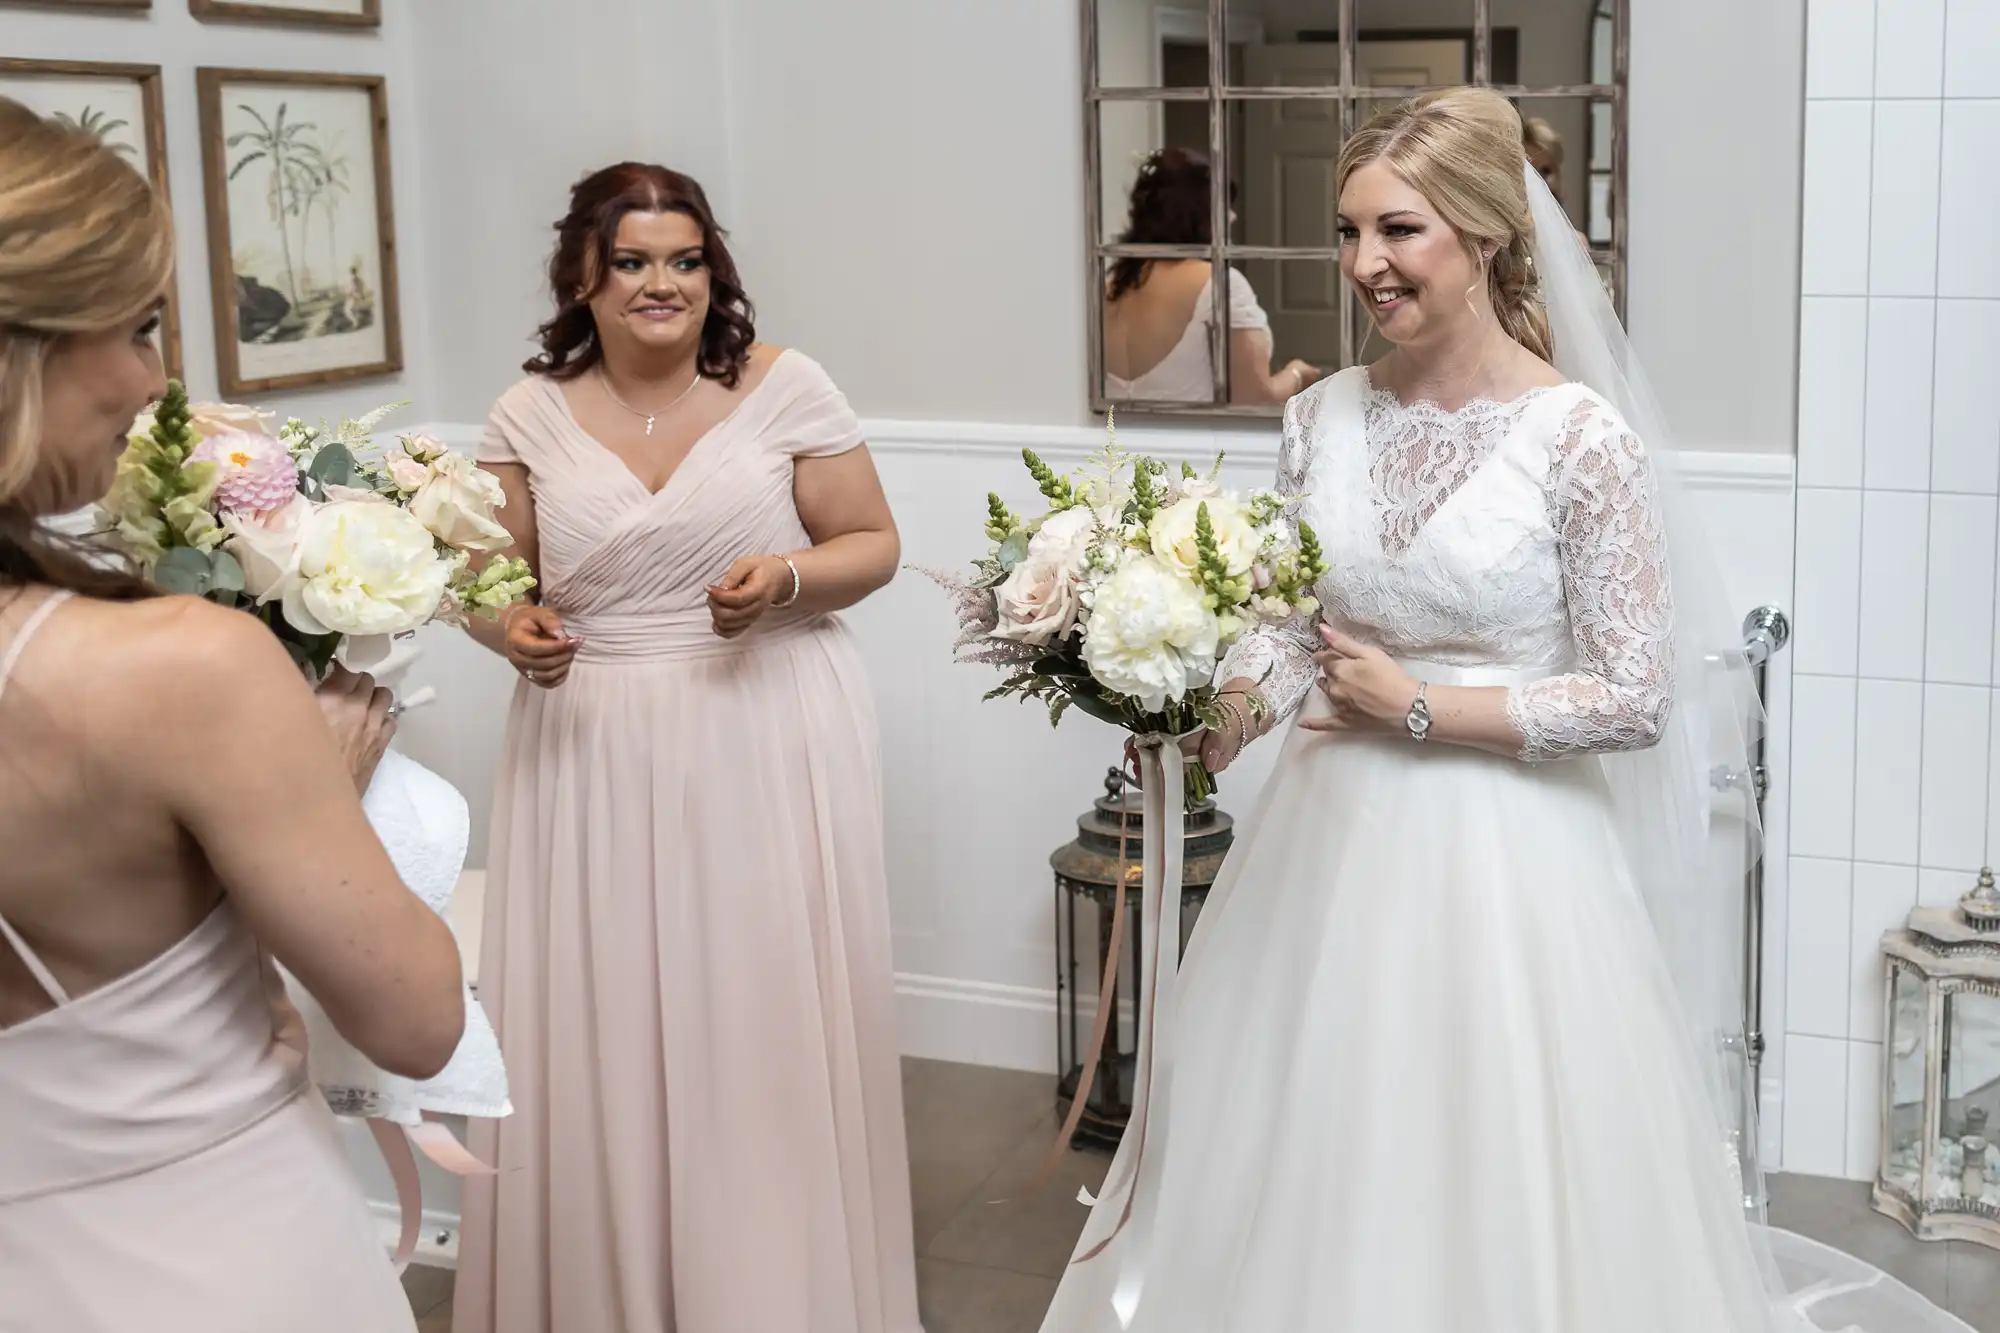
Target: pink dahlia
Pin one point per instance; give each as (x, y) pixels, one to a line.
(257, 473)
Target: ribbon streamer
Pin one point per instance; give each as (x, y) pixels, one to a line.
(1163, 792)
(437, 1143)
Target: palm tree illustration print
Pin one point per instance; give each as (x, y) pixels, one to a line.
(305, 176)
(100, 123)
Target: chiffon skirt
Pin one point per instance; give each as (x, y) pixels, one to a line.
(687, 960)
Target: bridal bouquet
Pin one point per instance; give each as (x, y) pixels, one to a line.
(340, 546)
(1121, 598)
(326, 536)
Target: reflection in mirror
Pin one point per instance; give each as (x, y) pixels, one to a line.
(1158, 314)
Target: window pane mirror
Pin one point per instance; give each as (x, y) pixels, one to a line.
(1211, 135)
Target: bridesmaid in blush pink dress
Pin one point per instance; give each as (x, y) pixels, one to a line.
(687, 938)
(175, 814)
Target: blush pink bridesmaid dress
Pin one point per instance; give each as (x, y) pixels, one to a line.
(164, 1163)
(686, 946)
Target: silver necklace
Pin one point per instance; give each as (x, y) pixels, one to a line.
(650, 417)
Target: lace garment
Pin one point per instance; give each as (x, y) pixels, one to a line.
(1522, 534)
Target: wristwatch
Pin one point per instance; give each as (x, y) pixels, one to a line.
(1418, 719)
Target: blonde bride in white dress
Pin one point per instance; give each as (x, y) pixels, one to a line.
(1446, 1051)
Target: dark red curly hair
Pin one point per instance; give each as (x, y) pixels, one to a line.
(583, 248)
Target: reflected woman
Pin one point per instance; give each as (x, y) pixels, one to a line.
(1157, 312)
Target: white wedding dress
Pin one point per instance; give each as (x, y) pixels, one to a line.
(1429, 1070)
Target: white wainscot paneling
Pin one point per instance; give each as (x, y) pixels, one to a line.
(979, 794)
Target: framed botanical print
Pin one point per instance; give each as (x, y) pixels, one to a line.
(121, 105)
(299, 13)
(301, 228)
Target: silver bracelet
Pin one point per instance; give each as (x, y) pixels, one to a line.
(779, 606)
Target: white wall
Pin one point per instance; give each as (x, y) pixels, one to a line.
(169, 37)
(910, 192)
(519, 102)
(1899, 465)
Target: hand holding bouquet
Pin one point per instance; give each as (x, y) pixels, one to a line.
(1122, 597)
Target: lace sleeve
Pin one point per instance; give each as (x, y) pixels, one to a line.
(1614, 557)
(1279, 656)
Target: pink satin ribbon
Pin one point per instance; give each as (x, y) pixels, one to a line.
(437, 1143)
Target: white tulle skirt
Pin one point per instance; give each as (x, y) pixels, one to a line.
(1430, 1076)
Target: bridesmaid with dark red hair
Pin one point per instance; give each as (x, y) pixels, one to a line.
(687, 929)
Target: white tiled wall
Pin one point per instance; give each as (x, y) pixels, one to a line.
(1894, 798)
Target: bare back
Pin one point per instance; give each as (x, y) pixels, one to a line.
(100, 877)
(158, 755)
(1142, 326)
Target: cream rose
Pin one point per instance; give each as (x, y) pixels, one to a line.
(1065, 538)
(1237, 540)
(408, 474)
(364, 567)
(1037, 603)
(218, 418)
(267, 546)
(457, 505)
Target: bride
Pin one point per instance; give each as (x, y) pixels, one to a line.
(1448, 1050)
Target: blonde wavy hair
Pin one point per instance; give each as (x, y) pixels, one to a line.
(86, 244)
(1461, 148)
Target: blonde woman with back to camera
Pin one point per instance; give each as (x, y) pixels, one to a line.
(1439, 1060)
(177, 809)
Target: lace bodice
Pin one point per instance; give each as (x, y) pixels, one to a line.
(1523, 534)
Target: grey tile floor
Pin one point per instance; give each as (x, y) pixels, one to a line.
(989, 1255)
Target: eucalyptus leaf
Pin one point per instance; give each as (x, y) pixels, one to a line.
(333, 466)
(227, 574)
(184, 570)
(1013, 551)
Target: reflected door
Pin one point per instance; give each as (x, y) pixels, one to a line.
(1290, 148)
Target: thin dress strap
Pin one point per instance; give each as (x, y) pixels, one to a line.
(36, 619)
(36, 968)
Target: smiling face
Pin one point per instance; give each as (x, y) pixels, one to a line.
(654, 296)
(1414, 273)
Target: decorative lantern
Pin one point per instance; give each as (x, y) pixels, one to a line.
(1105, 857)
(1940, 1172)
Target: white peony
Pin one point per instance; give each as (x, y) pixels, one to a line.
(458, 503)
(364, 567)
(1149, 635)
(1237, 540)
